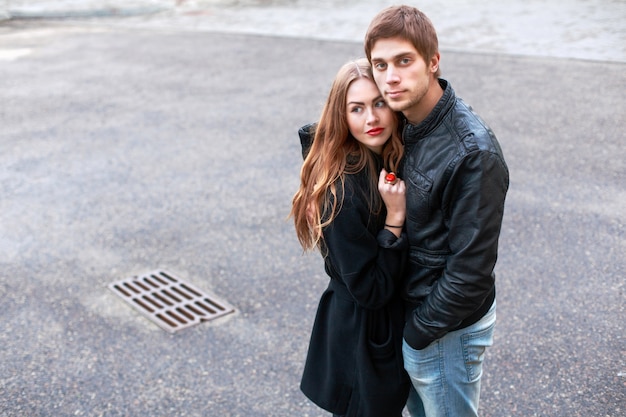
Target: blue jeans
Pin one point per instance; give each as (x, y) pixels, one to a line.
(446, 374)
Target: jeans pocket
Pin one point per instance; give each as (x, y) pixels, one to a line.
(474, 346)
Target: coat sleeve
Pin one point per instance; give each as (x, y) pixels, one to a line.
(368, 264)
(475, 206)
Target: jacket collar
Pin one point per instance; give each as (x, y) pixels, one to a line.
(413, 133)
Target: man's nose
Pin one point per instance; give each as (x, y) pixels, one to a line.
(392, 75)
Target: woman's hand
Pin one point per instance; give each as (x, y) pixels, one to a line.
(393, 192)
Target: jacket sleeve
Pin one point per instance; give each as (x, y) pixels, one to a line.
(474, 203)
(369, 265)
(306, 134)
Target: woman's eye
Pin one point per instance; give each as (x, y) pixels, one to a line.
(355, 110)
(381, 103)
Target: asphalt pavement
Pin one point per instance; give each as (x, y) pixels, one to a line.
(151, 135)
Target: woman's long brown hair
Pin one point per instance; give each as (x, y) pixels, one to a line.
(333, 154)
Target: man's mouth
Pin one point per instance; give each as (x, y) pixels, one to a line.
(394, 94)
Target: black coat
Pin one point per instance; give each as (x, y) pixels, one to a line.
(354, 363)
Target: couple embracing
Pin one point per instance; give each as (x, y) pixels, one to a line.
(402, 191)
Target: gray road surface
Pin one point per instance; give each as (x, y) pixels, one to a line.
(585, 29)
(167, 141)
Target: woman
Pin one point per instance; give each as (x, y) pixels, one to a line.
(351, 209)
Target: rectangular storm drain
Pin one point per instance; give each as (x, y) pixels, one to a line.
(168, 301)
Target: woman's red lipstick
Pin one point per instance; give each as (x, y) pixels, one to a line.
(376, 131)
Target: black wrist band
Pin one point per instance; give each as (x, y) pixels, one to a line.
(395, 227)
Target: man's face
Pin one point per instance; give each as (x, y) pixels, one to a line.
(403, 77)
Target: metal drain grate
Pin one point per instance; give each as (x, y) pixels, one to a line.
(168, 301)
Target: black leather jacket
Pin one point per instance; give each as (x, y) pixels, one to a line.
(457, 181)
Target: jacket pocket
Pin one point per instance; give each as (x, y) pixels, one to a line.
(380, 333)
(420, 181)
(382, 384)
(428, 259)
(418, 197)
(424, 269)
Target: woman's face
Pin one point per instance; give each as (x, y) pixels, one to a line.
(370, 120)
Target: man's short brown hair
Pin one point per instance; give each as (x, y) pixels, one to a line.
(404, 22)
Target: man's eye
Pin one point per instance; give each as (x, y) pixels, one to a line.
(405, 61)
(380, 66)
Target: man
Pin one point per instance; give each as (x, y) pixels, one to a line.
(456, 180)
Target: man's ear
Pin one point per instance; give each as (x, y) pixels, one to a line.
(434, 63)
